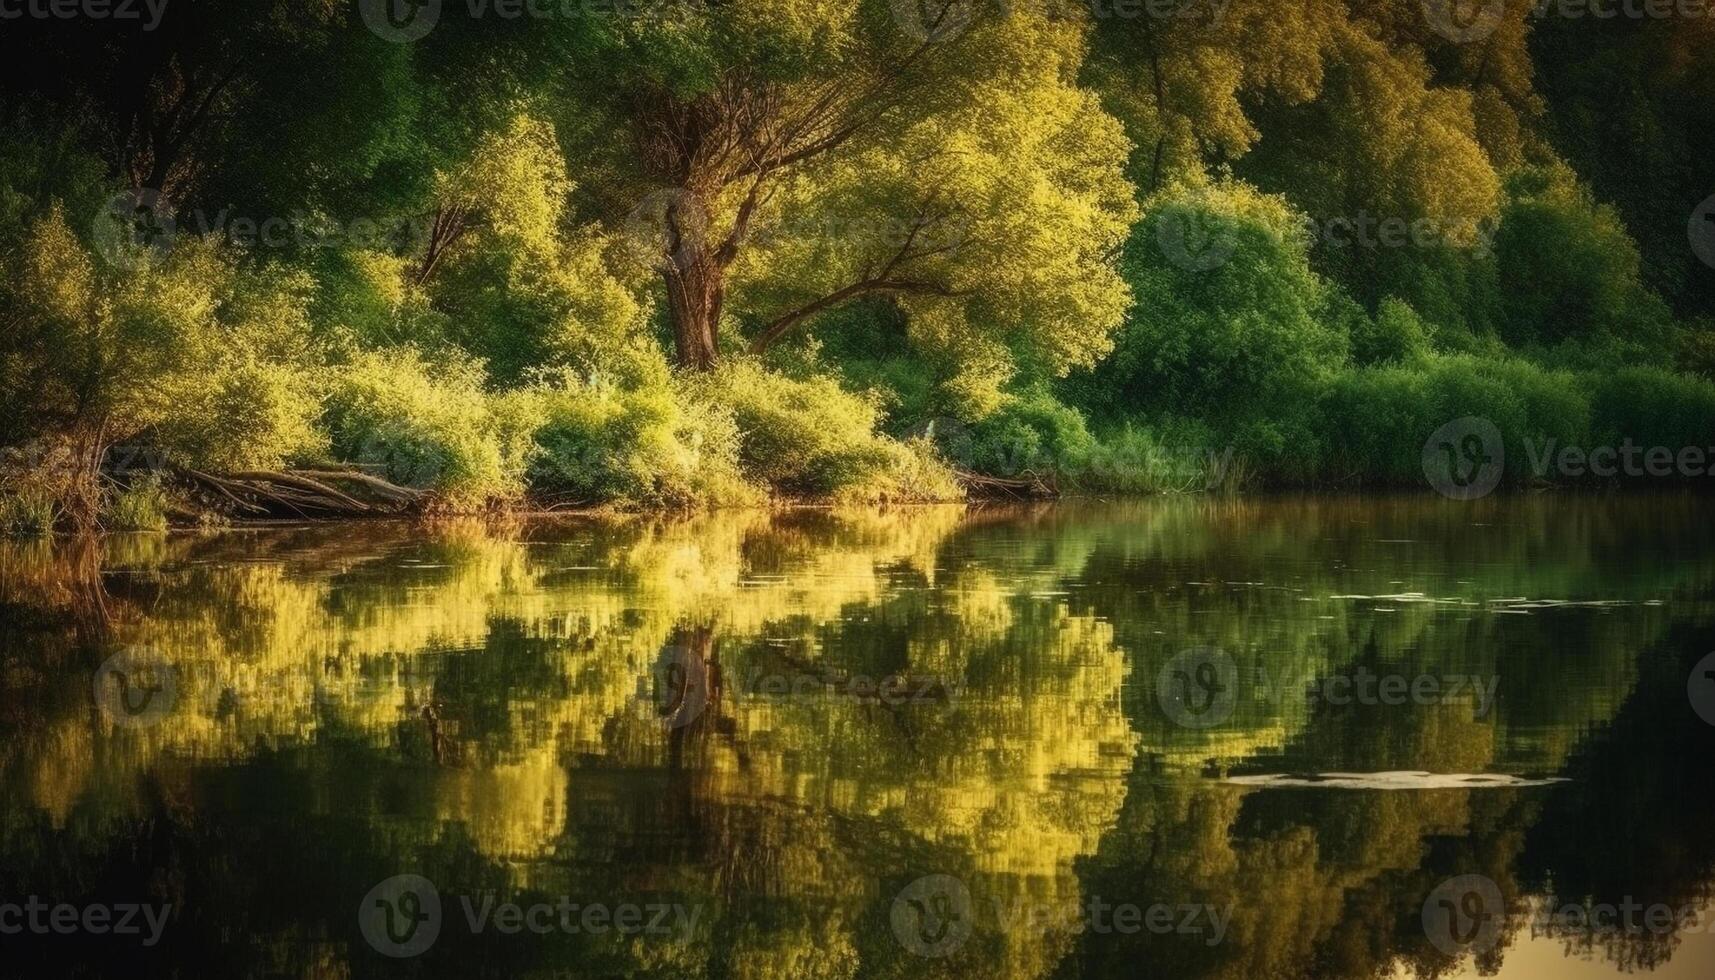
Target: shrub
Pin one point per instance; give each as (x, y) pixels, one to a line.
(1179, 457)
(1652, 407)
(427, 422)
(1377, 419)
(899, 471)
(1032, 431)
(1224, 333)
(1570, 268)
(1396, 335)
(650, 444)
(807, 436)
(27, 511)
(1696, 351)
(247, 414)
(142, 506)
(1231, 325)
(245, 392)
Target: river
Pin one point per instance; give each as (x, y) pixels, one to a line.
(1189, 737)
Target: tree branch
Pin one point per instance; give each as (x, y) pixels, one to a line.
(783, 325)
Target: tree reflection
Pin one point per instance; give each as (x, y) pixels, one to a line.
(783, 720)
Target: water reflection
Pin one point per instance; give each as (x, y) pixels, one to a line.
(931, 742)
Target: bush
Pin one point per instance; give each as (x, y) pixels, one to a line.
(1696, 353)
(1231, 324)
(27, 512)
(1031, 432)
(250, 414)
(1181, 457)
(908, 471)
(807, 436)
(246, 391)
(651, 444)
(1377, 419)
(427, 422)
(142, 506)
(1571, 270)
(1652, 407)
(1396, 335)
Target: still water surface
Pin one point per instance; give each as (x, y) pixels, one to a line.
(1344, 737)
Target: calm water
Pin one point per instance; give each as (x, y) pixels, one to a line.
(1301, 737)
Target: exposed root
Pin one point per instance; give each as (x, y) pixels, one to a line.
(1030, 487)
(302, 493)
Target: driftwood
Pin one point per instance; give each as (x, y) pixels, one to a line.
(303, 493)
(1030, 486)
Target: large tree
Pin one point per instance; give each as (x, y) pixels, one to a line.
(784, 157)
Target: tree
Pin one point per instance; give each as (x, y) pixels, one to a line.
(793, 157)
(520, 285)
(1242, 333)
(207, 356)
(1572, 271)
(1630, 97)
(1181, 75)
(221, 103)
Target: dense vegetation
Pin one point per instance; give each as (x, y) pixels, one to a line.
(686, 254)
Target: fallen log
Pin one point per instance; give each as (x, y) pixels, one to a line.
(305, 483)
(1029, 487)
(374, 483)
(304, 493)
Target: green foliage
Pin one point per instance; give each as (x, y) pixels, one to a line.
(197, 352)
(512, 284)
(1175, 457)
(426, 421)
(1231, 324)
(1379, 418)
(1634, 112)
(1652, 407)
(1697, 350)
(1383, 415)
(1396, 335)
(141, 506)
(809, 437)
(788, 157)
(1031, 432)
(1089, 241)
(1572, 271)
(254, 397)
(27, 511)
(367, 297)
(652, 444)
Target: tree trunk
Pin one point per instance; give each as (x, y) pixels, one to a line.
(696, 286)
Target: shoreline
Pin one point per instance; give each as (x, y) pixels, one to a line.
(616, 514)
